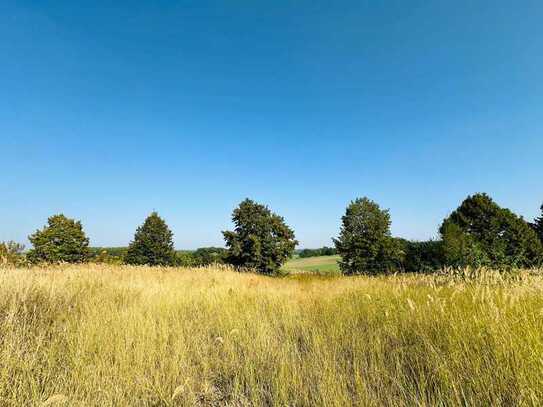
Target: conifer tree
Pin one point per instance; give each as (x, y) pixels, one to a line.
(152, 244)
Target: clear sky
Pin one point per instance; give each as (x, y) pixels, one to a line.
(108, 112)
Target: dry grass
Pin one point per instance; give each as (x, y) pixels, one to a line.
(110, 336)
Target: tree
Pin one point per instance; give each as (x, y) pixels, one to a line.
(62, 240)
(261, 240)
(323, 251)
(205, 256)
(185, 258)
(422, 256)
(538, 225)
(365, 243)
(461, 249)
(480, 232)
(152, 244)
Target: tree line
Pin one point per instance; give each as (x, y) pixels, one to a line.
(203, 256)
(478, 233)
(323, 251)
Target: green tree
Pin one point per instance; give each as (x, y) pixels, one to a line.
(422, 256)
(461, 249)
(538, 225)
(480, 232)
(185, 258)
(62, 240)
(261, 240)
(365, 243)
(152, 244)
(323, 251)
(205, 256)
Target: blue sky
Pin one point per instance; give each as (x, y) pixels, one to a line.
(111, 111)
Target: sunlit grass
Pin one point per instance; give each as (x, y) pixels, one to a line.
(110, 336)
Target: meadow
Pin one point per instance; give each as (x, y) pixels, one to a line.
(118, 335)
(326, 265)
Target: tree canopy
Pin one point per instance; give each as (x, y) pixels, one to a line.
(365, 243)
(480, 232)
(61, 240)
(152, 244)
(261, 240)
(538, 225)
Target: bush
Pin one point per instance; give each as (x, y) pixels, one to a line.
(184, 258)
(481, 233)
(11, 254)
(62, 240)
(422, 257)
(460, 249)
(108, 255)
(365, 243)
(152, 244)
(261, 240)
(204, 256)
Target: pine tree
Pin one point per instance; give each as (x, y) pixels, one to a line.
(62, 240)
(365, 243)
(261, 240)
(152, 244)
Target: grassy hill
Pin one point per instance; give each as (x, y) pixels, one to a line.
(319, 264)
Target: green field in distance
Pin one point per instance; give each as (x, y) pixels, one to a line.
(319, 264)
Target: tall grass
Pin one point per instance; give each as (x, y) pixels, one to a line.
(110, 336)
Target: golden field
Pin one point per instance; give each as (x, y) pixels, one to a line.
(96, 335)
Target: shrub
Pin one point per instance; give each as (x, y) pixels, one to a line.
(152, 244)
(204, 256)
(422, 257)
(365, 243)
(108, 255)
(62, 240)
(261, 240)
(481, 233)
(184, 258)
(11, 253)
